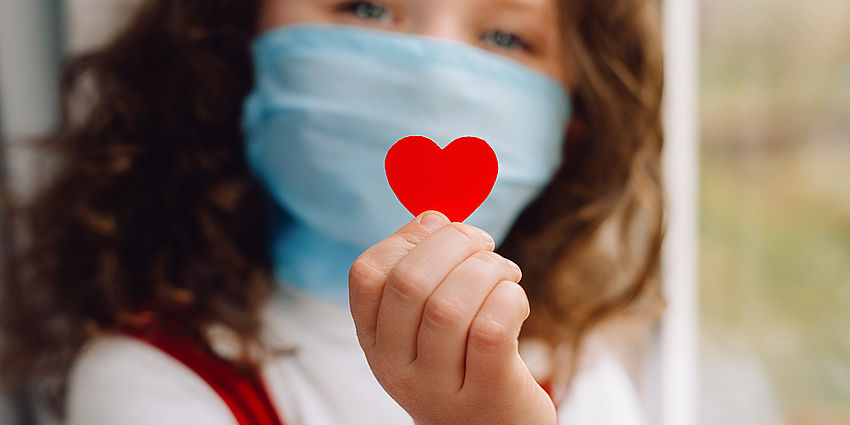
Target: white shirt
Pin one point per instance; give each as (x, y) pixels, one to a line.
(118, 380)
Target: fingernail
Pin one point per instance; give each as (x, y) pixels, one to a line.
(433, 221)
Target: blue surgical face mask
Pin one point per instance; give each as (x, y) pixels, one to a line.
(328, 103)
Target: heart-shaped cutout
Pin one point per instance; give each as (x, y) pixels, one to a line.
(454, 180)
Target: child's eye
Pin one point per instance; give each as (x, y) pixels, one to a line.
(504, 40)
(367, 10)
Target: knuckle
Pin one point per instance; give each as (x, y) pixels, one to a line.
(472, 235)
(522, 299)
(516, 297)
(497, 266)
(488, 260)
(489, 332)
(459, 231)
(489, 257)
(444, 312)
(363, 272)
(405, 240)
(478, 235)
(407, 281)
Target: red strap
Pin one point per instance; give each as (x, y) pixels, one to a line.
(547, 386)
(244, 393)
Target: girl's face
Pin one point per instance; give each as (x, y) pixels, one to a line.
(525, 30)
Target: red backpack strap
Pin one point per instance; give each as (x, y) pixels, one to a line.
(244, 393)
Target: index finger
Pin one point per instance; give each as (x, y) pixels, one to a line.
(368, 274)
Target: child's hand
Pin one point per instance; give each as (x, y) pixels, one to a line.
(438, 314)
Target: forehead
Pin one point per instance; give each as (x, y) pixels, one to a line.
(544, 6)
(545, 10)
(505, 3)
(547, 5)
(518, 4)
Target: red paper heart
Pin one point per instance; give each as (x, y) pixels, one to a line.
(454, 180)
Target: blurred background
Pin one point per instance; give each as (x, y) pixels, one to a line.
(773, 193)
(775, 212)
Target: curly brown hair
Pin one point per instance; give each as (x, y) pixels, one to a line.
(151, 205)
(610, 181)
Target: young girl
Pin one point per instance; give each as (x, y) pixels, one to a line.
(219, 212)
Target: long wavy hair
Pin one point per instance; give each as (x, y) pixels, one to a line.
(150, 205)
